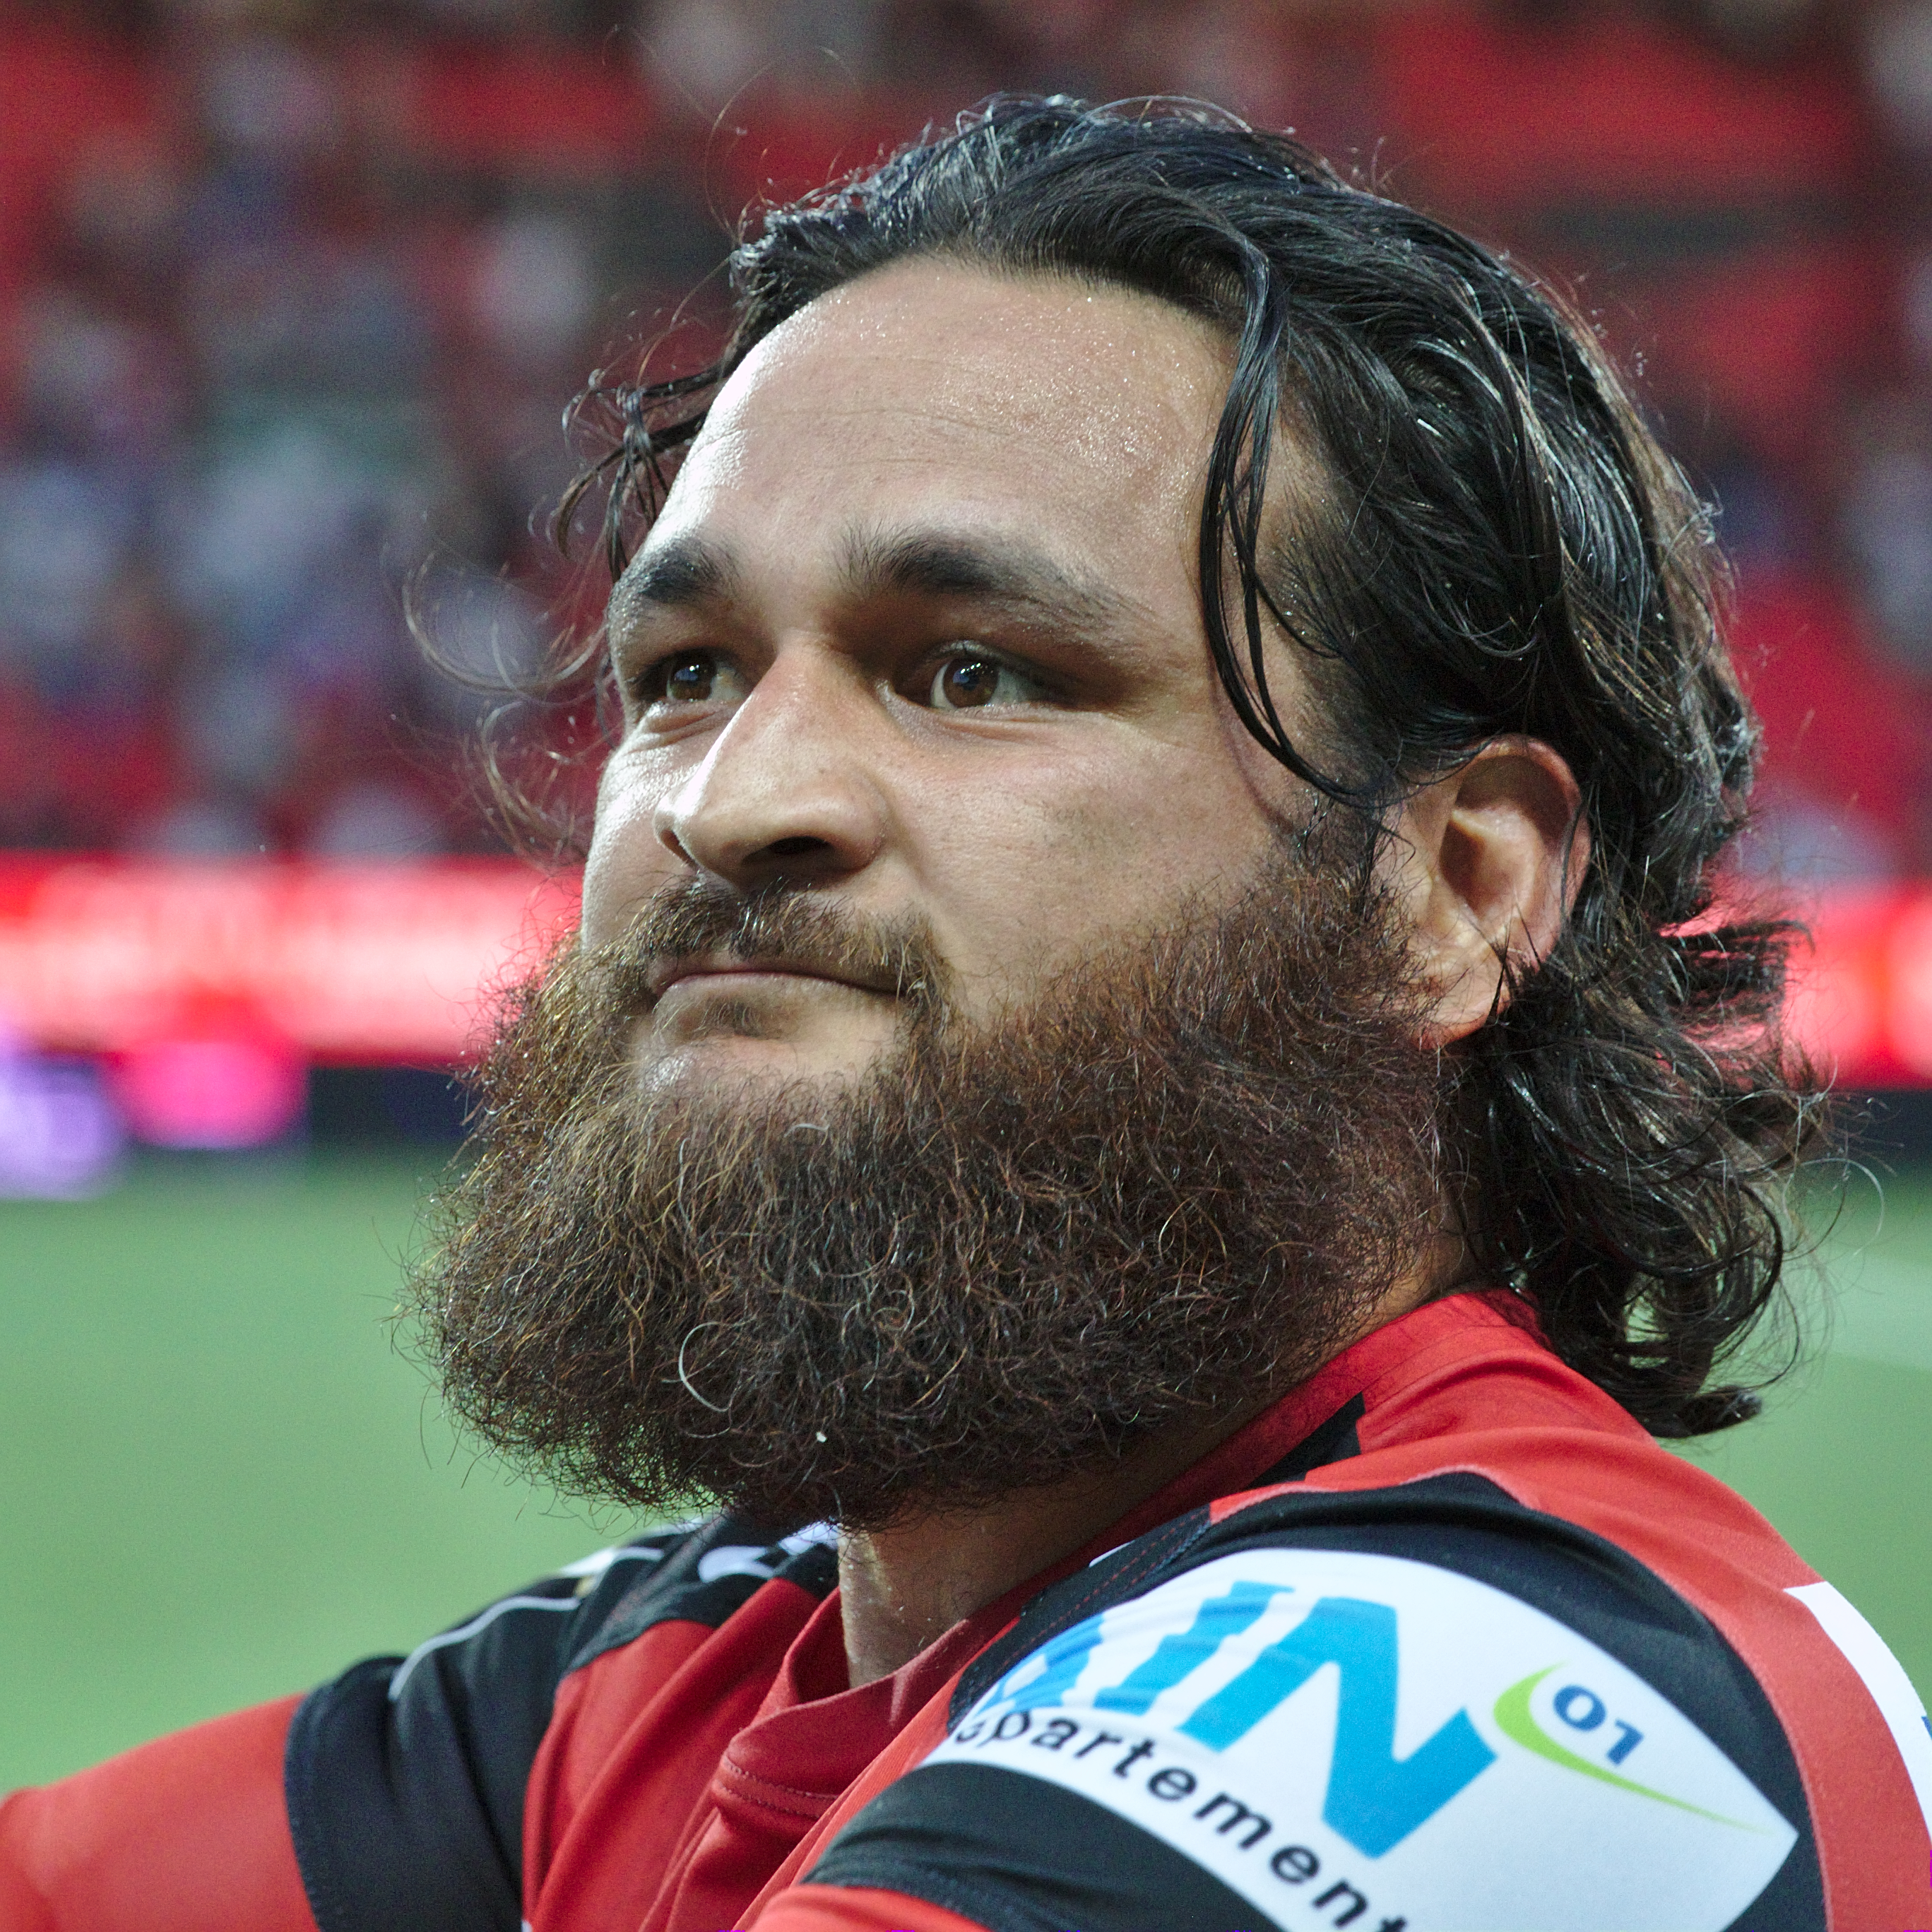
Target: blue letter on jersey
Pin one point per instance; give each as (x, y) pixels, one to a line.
(1217, 1620)
(1374, 1799)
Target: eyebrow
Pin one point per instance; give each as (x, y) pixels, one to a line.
(685, 573)
(1003, 572)
(1007, 574)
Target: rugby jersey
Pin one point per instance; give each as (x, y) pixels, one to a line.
(1442, 1640)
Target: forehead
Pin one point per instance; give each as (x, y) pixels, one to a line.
(1076, 416)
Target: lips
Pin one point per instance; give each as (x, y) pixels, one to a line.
(680, 970)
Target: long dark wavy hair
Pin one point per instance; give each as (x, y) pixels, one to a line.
(1502, 546)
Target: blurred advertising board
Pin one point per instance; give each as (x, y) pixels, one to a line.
(1862, 991)
(363, 963)
(394, 962)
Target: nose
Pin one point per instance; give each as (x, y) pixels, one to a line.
(786, 792)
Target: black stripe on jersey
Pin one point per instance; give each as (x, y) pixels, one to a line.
(1462, 1523)
(1016, 1855)
(1334, 1441)
(393, 1824)
(405, 1777)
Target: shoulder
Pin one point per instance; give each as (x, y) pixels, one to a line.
(1421, 1705)
(406, 1776)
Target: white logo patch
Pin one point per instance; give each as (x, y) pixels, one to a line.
(1350, 1739)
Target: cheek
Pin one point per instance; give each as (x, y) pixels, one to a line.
(628, 861)
(1057, 856)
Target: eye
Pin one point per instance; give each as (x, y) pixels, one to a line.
(690, 677)
(970, 680)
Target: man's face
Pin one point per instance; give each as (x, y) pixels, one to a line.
(919, 629)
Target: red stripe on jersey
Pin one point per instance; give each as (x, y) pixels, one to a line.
(920, 1734)
(637, 1734)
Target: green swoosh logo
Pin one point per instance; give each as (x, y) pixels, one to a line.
(1513, 1719)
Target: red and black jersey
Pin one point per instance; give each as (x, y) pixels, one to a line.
(1443, 1640)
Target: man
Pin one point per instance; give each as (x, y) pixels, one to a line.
(1150, 1094)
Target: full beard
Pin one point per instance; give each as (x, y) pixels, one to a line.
(1177, 1182)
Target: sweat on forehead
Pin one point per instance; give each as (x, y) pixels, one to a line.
(995, 369)
(1045, 339)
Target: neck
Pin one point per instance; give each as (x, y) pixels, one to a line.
(901, 1587)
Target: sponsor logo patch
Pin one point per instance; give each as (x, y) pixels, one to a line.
(1352, 1739)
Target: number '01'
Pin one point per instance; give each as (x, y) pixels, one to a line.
(1583, 1710)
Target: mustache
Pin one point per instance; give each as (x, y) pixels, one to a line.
(705, 917)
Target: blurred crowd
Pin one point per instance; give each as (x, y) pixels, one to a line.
(293, 295)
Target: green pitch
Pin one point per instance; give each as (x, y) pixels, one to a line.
(218, 1481)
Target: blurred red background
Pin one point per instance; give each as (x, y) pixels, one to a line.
(292, 297)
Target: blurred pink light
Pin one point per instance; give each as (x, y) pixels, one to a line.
(240, 1090)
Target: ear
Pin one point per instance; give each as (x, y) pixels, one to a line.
(1487, 862)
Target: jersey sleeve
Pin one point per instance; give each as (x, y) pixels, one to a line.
(1426, 1707)
(180, 1835)
(392, 1796)
(405, 1776)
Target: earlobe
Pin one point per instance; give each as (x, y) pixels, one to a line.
(1489, 859)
